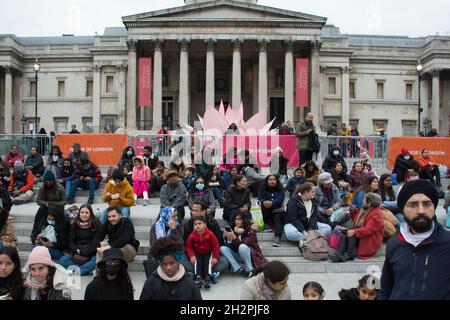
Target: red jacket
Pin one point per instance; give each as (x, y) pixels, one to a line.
(370, 235)
(202, 244)
(425, 161)
(28, 186)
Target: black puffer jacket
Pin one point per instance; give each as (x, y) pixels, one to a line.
(235, 198)
(417, 273)
(118, 236)
(156, 288)
(297, 216)
(331, 160)
(350, 294)
(82, 239)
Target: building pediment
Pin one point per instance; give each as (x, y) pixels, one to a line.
(224, 11)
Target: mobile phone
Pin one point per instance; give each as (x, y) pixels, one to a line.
(45, 239)
(228, 229)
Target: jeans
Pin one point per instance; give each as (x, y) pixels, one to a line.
(244, 255)
(292, 233)
(85, 269)
(104, 215)
(217, 192)
(54, 253)
(90, 185)
(68, 187)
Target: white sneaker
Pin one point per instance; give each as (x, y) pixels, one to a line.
(144, 203)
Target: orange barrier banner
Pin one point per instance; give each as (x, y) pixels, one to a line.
(439, 149)
(103, 149)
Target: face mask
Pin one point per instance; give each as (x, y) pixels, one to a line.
(407, 157)
(336, 153)
(112, 270)
(51, 222)
(129, 153)
(200, 186)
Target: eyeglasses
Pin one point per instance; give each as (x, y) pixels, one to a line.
(416, 204)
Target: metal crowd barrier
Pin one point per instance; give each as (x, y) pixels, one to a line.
(25, 142)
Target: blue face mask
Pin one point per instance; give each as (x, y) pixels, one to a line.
(129, 153)
(200, 186)
(51, 222)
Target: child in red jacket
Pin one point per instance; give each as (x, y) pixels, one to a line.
(202, 248)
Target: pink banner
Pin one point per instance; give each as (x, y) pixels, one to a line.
(145, 82)
(301, 83)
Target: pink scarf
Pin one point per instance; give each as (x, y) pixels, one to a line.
(84, 225)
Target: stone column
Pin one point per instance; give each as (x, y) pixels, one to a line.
(8, 100)
(96, 108)
(315, 83)
(289, 81)
(157, 84)
(435, 105)
(210, 74)
(424, 83)
(345, 95)
(262, 74)
(184, 81)
(120, 87)
(131, 86)
(237, 86)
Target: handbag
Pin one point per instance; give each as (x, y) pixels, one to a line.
(80, 259)
(257, 218)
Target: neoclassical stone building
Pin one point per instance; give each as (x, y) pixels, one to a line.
(233, 51)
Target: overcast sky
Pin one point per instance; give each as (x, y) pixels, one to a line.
(85, 17)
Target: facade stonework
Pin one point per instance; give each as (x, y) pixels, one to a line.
(232, 51)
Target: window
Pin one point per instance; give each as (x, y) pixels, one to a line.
(353, 123)
(89, 88)
(87, 125)
(61, 125)
(352, 90)
(32, 92)
(332, 85)
(330, 121)
(110, 122)
(61, 88)
(379, 125)
(380, 90)
(110, 84)
(409, 90)
(409, 128)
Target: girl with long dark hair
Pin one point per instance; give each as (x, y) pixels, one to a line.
(11, 280)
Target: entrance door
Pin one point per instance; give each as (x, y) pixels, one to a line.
(276, 111)
(167, 112)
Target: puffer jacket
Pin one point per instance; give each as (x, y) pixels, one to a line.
(82, 239)
(56, 196)
(125, 191)
(142, 174)
(302, 137)
(155, 288)
(235, 198)
(331, 160)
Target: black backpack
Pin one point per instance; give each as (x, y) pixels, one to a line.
(313, 143)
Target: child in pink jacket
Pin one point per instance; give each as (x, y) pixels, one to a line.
(141, 176)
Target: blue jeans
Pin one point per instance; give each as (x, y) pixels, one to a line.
(85, 269)
(90, 185)
(217, 192)
(68, 187)
(104, 215)
(54, 253)
(244, 255)
(292, 233)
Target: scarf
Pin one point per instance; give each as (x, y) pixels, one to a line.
(415, 239)
(359, 221)
(239, 232)
(160, 226)
(265, 290)
(31, 282)
(177, 277)
(84, 225)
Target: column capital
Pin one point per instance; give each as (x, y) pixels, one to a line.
(96, 68)
(237, 44)
(288, 45)
(184, 44)
(210, 44)
(323, 69)
(158, 44)
(263, 44)
(132, 45)
(436, 72)
(121, 67)
(315, 45)
(9, 70)
(345, 70)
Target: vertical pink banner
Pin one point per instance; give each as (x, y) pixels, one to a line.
(145, 82)
(301, 83)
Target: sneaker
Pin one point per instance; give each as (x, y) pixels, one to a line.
(277, 242)
(207, 283)
(70, 201)
(267, 228)
(245, 273)
(215, 277)
(301, 244)
(198, 282)
(144, 203)
(91, 201)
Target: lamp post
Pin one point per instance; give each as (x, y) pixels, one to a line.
(419, 68)
(36, 68)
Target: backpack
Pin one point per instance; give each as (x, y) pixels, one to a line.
(315, 248)
(313, 143)
(341, 248)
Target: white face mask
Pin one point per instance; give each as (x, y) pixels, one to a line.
(407, 157)
(336, 153)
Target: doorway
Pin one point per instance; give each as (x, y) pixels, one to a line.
(276, 111)
(167, 112)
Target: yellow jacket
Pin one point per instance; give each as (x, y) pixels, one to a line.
(125, 191)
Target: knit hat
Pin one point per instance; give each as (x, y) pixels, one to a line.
(325, 178)
(415, 187)
(405, 152)
(49, 176)
(40, 255)
(18, 163)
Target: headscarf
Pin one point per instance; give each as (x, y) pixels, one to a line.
(165, 215)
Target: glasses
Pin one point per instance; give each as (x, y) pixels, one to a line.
(416, 204)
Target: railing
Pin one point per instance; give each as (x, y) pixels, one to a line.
(25, 142)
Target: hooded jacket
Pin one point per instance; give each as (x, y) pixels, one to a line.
(336, 201)
(141, 174)
(297, 215)
(202, 244)
(401, 167)
(25, 184)
(125, 191)
(418, 273)
(55, 196)
(331, 160)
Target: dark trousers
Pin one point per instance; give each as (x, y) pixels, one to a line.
(156, 183)
(203, 266)
(344, 149)
(90, 185)
(305, 156)
(276, 220)
(430, 173)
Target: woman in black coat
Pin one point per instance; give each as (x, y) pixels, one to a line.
(333, 158)
(170, 281)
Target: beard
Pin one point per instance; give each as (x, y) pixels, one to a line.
(419, 224)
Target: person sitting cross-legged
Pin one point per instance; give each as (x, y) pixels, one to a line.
(118, 192)
(173, 194)
(21, 184)
(88, 177)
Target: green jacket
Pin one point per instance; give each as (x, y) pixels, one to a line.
(302, 136)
